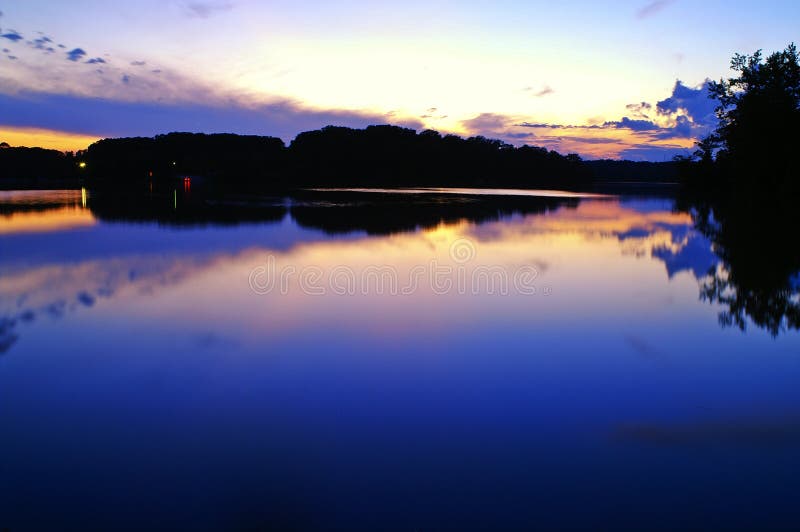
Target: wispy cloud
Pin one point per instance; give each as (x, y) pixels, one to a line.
(540, 93)
(652, 8)
(206, 9)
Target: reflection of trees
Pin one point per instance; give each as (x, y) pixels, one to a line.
(182, 208)
(758, 278)
(334, 213)
(382, 214)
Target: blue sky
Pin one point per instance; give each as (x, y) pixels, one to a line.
(593, 73)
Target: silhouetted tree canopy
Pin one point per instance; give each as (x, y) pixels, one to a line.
(19, 163)
(759, 114)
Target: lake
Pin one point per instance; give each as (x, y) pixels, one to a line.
(424, 360)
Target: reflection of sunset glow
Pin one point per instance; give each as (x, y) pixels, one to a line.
(54, 210)
(60, 219)
(582, 253)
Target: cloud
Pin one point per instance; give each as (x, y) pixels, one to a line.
(695, 102)
(688, 113)
(75, 55)
(652, 8)
(206, 9)
(633, 125)
(104, 117)
(42, 43)
(96, 61)
(487, 123)
(138, 63)
(544, 91)
(12, 36)
(640, 110)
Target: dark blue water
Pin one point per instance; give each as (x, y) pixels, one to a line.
(435, 363)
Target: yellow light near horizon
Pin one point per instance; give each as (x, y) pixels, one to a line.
(45, 138)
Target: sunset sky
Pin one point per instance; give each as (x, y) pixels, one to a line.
(623, 79)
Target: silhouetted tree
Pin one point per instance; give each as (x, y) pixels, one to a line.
(759, 114)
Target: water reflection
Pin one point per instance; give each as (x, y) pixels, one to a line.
(138, 355)
(757, 274)
(61, 269)
(53, 267)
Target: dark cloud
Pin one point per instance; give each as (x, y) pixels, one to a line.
(691, 110)
(640, 110)
(520, 136)
(75, 55)
(42, 43)
(594, 140)
(633, 125)
(126, 79)
(138, 63)
(695, 102)
(96, 61)
(101, 117)
(12, 36)
(652, 8)
(641, 106)
(541, 125)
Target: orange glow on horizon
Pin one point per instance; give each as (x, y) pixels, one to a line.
(45, 138)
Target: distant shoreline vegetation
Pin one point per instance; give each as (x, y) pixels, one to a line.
(377, 156)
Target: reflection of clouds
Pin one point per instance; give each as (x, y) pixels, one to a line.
(760, 432)
(55, 291)
(644, 229)
(213, 265)
(642, 347)
(693, 254)
(7, 335)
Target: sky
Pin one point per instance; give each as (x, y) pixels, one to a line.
(605, 80)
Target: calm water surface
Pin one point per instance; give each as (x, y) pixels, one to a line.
(370, 361)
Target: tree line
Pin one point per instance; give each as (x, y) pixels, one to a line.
(377, 156)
